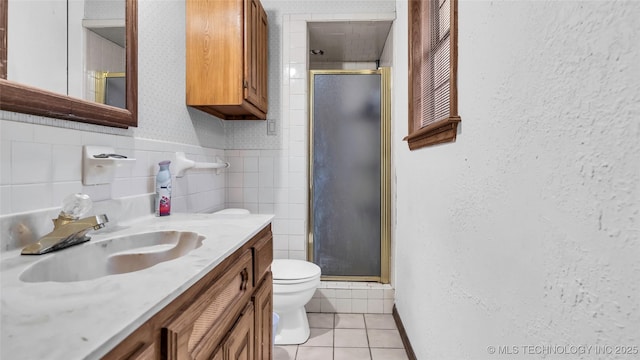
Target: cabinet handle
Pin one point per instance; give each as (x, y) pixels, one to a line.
(245, 84)
(245, 279)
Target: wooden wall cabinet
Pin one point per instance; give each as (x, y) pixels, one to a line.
(227, 315)
(227, 58)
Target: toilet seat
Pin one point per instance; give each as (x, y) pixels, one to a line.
(289, 271)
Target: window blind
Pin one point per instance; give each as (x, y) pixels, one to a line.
(433, 57)
(436, 74)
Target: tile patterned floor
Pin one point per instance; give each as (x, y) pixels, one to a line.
(347, 337)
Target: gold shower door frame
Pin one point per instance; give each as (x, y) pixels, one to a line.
(385, 172)
(101, 84)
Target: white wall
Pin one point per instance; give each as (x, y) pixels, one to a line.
(161, 80)
(525, 231)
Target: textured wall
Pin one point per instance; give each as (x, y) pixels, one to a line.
(525, 231)
(161, 80)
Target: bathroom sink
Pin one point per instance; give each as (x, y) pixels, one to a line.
(113, 256)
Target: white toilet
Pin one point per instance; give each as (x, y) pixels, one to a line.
(294, 283)
(232, 211)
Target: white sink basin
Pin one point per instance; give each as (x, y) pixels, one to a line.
(113, 256)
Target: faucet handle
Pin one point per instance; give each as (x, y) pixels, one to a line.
(76, 205)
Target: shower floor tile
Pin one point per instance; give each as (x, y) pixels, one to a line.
(347, 337)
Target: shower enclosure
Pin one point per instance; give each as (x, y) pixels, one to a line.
(349, 235)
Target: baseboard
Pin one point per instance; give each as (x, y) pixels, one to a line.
(403, 334)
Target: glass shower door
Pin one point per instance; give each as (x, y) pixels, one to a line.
(347, 174)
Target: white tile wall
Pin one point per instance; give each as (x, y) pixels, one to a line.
(282, 174)
(255, 183)
(42, 164)
(352, 297)
(101, 55)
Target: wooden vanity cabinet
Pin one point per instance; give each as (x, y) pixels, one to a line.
(227, 58)
(226, 315)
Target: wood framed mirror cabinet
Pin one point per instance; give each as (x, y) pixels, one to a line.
(22, 98)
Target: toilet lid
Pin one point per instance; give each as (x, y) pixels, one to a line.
(289, 269)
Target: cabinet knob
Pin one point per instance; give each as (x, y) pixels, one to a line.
(245, 84)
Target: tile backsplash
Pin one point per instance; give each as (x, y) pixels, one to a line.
(41, 164)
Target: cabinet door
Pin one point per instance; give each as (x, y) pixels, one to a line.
(263, 301)
(240, 343)
(263, 55)
(255, 56)
(196, 331)
(262, 257)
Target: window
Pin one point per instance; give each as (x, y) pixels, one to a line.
(433, 68)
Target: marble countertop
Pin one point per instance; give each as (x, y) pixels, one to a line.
(86, 319)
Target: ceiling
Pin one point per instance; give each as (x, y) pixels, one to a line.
(348, 41)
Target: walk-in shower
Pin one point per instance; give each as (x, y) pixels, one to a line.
(349, 174)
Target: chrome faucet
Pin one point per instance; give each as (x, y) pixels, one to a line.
(68, 229)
